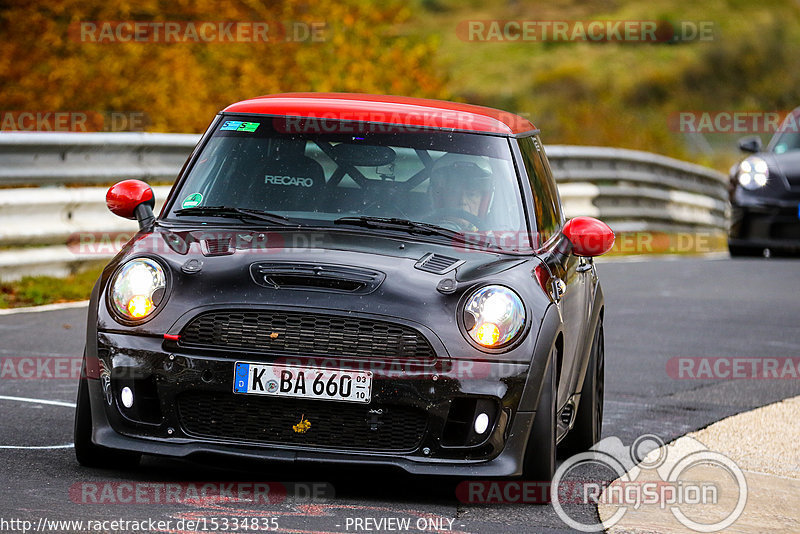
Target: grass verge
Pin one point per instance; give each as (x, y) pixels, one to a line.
(38, 290)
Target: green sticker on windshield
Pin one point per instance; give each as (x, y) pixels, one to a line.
(192, 201)
(239, 126)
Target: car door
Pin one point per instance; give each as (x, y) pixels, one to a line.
(571, 273)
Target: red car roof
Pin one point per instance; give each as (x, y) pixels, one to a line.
(407, 111)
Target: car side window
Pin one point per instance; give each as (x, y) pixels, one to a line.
(547, 204)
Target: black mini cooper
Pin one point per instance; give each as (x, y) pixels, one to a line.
(350, 279)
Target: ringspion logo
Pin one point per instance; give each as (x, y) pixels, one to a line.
(680, 479)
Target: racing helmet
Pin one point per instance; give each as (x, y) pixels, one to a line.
(462, 185)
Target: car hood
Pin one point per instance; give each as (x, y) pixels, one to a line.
(237, 247)
(220, 268)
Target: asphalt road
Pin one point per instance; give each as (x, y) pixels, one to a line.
(656, 311)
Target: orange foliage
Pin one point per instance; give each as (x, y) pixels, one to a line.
(45, 66)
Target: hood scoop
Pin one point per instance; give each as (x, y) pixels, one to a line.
(437, 263)
(316, 277)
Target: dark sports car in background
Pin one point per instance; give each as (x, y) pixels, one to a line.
(350, 279)
(765, 194)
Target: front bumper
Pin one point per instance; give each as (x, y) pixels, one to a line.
(765, 226)
(438, 442)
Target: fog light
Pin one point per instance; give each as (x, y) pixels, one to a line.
(481, 423)
(126, 395)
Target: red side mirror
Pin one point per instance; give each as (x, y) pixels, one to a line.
(589, 237)
(124, 197)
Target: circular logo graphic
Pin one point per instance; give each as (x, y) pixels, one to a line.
(670, 491)
(272, 386)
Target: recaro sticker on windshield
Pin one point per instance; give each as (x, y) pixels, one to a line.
(288, 180)
(239, 126)
(192, 201)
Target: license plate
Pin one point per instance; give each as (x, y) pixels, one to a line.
(302, 382)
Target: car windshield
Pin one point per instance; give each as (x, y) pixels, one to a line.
(316, 173)
(787, 138)
(786, 142)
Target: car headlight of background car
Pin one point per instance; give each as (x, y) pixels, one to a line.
(753, 173)
(494, 316)
(137, 289)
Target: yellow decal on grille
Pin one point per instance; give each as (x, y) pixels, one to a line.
(303, 426)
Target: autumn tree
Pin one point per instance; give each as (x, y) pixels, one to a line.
(47, 64)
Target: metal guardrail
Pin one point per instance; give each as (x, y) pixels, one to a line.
(636, 191)
(630, 190)
(35, 158)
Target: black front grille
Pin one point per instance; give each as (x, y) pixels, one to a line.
(305, 334)
(271, 420)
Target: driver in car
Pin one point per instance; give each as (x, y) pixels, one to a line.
(461, 194)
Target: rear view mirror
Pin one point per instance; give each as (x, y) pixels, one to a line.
(132, 199)
(750, 144)
(589, 236)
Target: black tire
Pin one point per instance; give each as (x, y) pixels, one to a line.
(744, 251)
(87, 453)
(589, 419)
(539, 464)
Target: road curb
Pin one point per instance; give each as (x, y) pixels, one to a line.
(763, 444)
(45, 307)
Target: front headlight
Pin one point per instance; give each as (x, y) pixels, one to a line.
(137, 289)
(753, 173)
(494, 316)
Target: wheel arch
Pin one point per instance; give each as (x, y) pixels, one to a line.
(550, 336)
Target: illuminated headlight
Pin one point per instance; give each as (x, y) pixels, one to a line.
(494, 316)
(138, 289)
(753, 173)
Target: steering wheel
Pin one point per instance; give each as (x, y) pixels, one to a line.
(446, 216)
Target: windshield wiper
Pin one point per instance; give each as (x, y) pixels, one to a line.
(235, 213)
(413, 227)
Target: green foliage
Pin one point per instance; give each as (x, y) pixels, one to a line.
(622, 94)
(37, 290)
